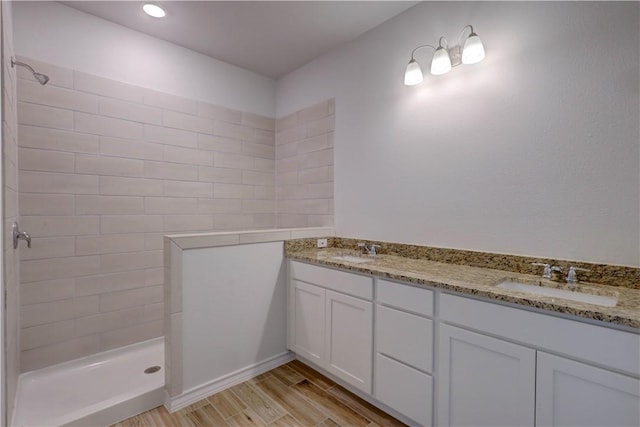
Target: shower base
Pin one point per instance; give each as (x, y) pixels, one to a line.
(97, 390)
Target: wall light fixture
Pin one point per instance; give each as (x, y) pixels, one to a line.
(445, 57)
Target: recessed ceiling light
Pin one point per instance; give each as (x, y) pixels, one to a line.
(153, 10)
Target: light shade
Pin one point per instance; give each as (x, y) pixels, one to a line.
(153, 10)
(413, 73)
(473, 51)
(441, 63)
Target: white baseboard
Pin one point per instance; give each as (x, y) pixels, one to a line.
(241, 375)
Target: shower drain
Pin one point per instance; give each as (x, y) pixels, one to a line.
(152, 369)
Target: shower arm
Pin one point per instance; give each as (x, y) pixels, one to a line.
(41, 78)
(22, 64)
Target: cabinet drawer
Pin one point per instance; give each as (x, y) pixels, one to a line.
(409, 298)
(405, 337)
(404, 389)
(347, 283)
(573, 338)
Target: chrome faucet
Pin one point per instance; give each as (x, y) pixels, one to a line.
(572, 277)
(370, 250)
(548, 269)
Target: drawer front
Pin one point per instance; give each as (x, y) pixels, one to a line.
(404, 389)
(347, 283)
(405, 337)
(573, 338)
(405, 297)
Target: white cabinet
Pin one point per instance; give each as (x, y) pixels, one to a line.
(484, 381)
(573, 394)
(404, 350)
(404, 389)
(349, 334)
(332, 329)
(488, 365)
(307, 332)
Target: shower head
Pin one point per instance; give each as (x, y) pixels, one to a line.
(41, 78)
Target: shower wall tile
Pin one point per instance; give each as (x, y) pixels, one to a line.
(46, 160)
(50, 247)
(130, 298)
(112, 282)
(111, 166)
(141, 332)
(223, 175)
(106, 170)
(130, 111)
(164, 170)
(105, 244)
(47, 291)
(219, 113)
(84, 82)
(106, 126)
(68, 225)
(56, 183)
(164, 135)
(53, 139)
(128, 148)
(218, 143)
(112, 185)
(305, 158)
(101, 205)
(50, 333)
(40, 115)
(170, 205)
(52, 96)
(170, 102)
(39, 357)
(183, 121)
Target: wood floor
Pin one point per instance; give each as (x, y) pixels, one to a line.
(291, 395)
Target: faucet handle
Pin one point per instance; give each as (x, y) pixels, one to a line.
(572, 277)
(547, 269)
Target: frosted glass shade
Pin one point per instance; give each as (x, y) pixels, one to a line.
(473, 51)
(413, 73)
(441, 63)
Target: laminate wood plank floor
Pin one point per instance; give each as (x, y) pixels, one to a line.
(288, 396)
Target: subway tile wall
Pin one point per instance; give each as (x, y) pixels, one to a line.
(10, 211)
(105, 170)
(304, 165)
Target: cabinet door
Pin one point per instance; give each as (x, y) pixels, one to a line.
(483, 381)
(308, 321)
(404, 389)
(349, 335)
(570, 393)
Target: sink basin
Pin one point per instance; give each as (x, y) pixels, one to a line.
(602, 300)
(351, 258)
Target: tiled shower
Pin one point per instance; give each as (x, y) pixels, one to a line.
(106, 169)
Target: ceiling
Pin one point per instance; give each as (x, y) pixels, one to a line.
(270, 38)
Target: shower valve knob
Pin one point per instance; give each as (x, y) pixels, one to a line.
(17, 235)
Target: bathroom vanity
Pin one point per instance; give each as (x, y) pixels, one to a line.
(440, 344)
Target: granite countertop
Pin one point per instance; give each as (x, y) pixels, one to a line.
(480, 282)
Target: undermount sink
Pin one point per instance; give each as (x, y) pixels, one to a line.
(573, 295)
(351, 258)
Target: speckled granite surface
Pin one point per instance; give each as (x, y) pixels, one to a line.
(479, 281)
(611, 275)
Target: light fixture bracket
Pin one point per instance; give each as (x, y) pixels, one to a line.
(455, 54)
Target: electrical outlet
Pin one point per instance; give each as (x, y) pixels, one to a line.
(322, 243)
